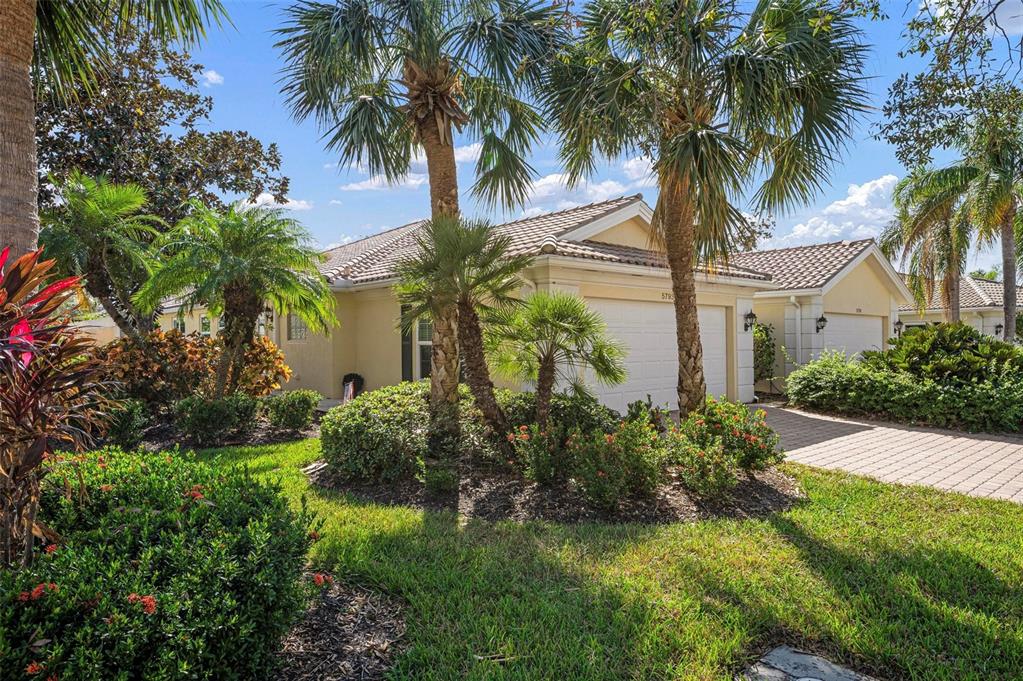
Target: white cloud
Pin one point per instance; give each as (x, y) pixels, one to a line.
(267, 199)
(468, 153)
(379, 183)
(551, 192)
(211, 78)
(640, 170)
(328, 166)
(862, 214)
(335, 202)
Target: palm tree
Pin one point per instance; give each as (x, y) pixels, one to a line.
(719, 100)
(388, 78)
(236, 263)
(467, 264)
(931, 233)
(552, 339)
(63, 41)
(99, 233)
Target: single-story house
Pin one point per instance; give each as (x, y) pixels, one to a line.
(980, 306)
(843, 295)
(599, 251)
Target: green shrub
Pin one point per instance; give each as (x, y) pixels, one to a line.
(835, 384)
(610, 466)
(164, 570)
(763, 352)
(540, 453)
(291, 410)
(948, 353)
(380, 435)
(706, 470)
(644, 409)
(744, 434)
(569, 411)
(208, 422)
(127, 424)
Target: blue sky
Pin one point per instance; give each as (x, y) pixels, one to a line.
(338, 204)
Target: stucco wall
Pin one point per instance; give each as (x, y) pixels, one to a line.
(861, 291)
(633, 232)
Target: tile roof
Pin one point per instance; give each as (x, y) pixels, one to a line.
(375, 257)
(973, 293)
(802, 267)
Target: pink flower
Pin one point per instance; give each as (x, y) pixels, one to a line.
(51, 548)
(22, 333)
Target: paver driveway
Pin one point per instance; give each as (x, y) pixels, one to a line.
(978, 464)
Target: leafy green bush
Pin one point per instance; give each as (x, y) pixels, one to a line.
(208, 422)
(763, 352)
(743, 434)
(165, 569)
(291, 410)
(706, 469)
(948, 353)
(568, 410)
(835, 384)
(127, 424)
(540, 453)
(610, 466)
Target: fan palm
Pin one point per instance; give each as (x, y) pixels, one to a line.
(931, 232)
(98, 232)
(64, 42)
(387, 78)
(718, 99)
(467, 264)
(553, 338)
(235, 263)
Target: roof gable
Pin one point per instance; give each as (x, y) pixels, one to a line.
(974, 293)
(803, 267)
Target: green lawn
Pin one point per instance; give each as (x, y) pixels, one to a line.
(896, 581)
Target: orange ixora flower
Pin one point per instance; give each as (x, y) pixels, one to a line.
(34, 668)
(51, 548)
(148, 602)
(319, 579)
(610, 438)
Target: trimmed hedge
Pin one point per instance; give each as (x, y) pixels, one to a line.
(165, 569)
(208, 422)
(291, 410)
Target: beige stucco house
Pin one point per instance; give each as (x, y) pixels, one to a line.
(600, 251)
(842, 296)
(980, 306)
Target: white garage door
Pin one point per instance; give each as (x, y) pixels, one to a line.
(853, 333)
(648, 331)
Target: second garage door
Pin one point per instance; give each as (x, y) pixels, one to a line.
(648, 331)
(852, 333)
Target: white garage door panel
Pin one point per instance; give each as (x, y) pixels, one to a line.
(648, 331)
(851, 333)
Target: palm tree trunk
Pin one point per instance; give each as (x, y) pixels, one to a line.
(477, 373)
(19, 217)
(441, 167)
(677, 222)
(444, 430)
(954, 284)
(1009, 276)
(544, 391)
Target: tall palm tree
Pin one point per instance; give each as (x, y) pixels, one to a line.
(467, 264)
(64, 42)
(388, 78)
(553, 338)
(931, 232)
(236, 263)
(98, 232)
(719, 99)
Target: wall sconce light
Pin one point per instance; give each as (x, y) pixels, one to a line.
(751, 320)
(999, 328)
(822, 321)
(898, 327)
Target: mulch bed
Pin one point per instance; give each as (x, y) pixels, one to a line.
(348, 633)
(165, 436)
(496, 494)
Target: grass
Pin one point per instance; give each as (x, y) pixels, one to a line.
(899, 582)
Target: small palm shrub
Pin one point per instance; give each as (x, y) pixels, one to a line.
(609, 467)
(291, 410)
(163, 565)
(208, 421)
(705, 469)
(127, 424)
(742, 433)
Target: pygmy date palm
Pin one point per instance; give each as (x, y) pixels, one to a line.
(236, 263)
(719, 99)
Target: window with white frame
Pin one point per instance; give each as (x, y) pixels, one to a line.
(220, 326)
(424, 348)
(297, 330)
(204, 325)
(178, 324)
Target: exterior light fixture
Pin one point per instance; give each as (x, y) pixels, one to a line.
(898, 327)
(998, 329)
(822, 321)
(751, 320)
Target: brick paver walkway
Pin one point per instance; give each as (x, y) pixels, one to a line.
(978, 464)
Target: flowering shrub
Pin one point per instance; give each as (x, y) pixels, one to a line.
(705, 469)
(209, 422)
(743, 434)
(291, 410)
(610, 466)
(162, 566)
(540, 453)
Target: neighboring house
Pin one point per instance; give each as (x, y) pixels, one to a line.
(600, 251)
(173, 316)
(980, 306)
(842, 296)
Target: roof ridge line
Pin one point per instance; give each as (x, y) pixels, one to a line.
(632, 197)
(805, 246)
(979, 291)
(373, 251)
